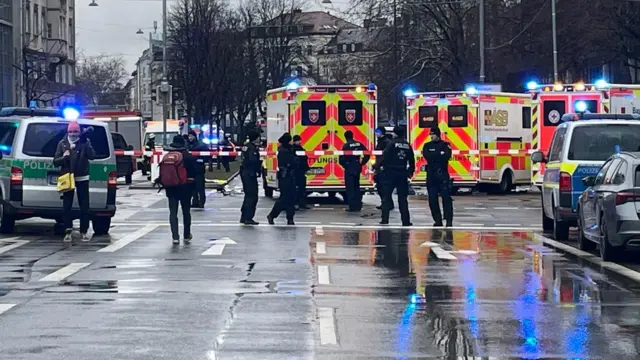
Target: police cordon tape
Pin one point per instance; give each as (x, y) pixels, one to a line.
(324, 152)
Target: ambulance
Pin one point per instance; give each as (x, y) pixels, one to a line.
(320, 114)
(127, 123)
(550, 102)
(623, 98)
(489, 133)
(174, 127)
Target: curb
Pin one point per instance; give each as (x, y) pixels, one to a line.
(147, 185)
(617, 268)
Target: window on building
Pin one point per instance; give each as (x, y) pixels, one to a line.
(27, 15)
(49, 31)
(353, 47)
(309, 50)
(36, 19)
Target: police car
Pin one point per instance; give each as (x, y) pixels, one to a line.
(580, 145)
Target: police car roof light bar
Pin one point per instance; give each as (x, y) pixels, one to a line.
(591, 116)
(28, 112)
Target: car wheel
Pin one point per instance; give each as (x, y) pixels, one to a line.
(506, 183)
(608, 252)
(101, 225)
(583, 243)
(7, 222)
(547, 222)
(560, 228)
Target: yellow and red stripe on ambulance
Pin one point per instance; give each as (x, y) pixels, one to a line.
(549, 103)
(488, 133)
(321, 115)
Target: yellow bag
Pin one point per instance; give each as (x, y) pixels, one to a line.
(66, 182)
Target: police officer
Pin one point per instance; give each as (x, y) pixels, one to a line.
(352, 165)
(198, 197)
(226, 144)
(383, 140)
(250, 169)
(399, 164)
(301, 173)
(437, 153)
(286, 181)
(149, 146)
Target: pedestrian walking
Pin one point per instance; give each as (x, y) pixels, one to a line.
(302, 166)
(352, 165)
(73, 154)
(150, 146)
(198, 196)
(286, 181)
(250, 169)
(399, 164)
(437, 153)
(177, 172)
(379, 177)
(227, 145)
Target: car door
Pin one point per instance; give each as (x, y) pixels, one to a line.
(551, 175)
(608, 196)
(588, 208)
(602, 192)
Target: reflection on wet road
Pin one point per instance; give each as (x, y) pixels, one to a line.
(459, 295)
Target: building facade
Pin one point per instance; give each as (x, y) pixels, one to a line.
(44, 52)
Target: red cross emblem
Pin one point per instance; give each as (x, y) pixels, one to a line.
(314, 115)
(554, 116)
(350, 115)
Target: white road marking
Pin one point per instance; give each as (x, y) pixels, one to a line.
(470, 224)
(322, 209)
(475, 208)
(531, 208)
(442, 254)
(326, 318)
(65, 272)
(208, 223)
(506, 208)
(308, 222)
(319, 230)
(128, 239)
(6, 307)
(229, 221)
(321, 247)
(622, 270)
(323, 275)
(345, 224)
(507, 224)
(16, 244)
(218, 246)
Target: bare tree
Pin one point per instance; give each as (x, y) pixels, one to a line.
(99, 80)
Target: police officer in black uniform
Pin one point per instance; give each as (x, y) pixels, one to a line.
(437, 153)
(250, 169)
(379, 177)
(286, 181)
(198, 197)
(301, 173)
(399, 164)
(352, 165)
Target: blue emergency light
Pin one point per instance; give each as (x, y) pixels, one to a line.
(595, 116)
(408, 93)
(581, 106)
(372, 86)
(471, 90)
(601, 84)
(70, 113)
(532, 85)
(293, 86)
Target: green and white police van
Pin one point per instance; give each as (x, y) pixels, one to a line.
(28, 141)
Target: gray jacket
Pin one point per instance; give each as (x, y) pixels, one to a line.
(78, 160)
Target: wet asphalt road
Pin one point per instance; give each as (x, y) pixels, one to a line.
(324, 289)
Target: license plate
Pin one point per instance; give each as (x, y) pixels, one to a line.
(316, 171)
(52, 179)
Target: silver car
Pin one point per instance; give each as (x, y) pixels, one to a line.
(609, 209)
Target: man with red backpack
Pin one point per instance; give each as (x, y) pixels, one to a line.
(177, 171)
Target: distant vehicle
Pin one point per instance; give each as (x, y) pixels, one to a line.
(580, 145)
(126, 164)
(174, 127)
(609, 210)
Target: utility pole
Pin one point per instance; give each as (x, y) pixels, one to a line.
(164, 86)
(482, 44)
(555, 41)
(395, 58)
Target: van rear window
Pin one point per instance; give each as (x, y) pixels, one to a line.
(350, 113)
(598, 142)
(428, 117)
(314, 113)
(42, 139)
(7, 134)
(458, 116)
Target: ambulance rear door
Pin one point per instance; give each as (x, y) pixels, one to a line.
(356, 113)
(422, 115)
(458, 122)
(625, 101)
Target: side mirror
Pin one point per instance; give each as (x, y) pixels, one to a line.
(588, 180)
(129, 147)
(538, 157)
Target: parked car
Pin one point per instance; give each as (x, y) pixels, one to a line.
(609, 209)
(126, 163)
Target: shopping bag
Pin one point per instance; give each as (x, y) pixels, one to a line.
(66, 182)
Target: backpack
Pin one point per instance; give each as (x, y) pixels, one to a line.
(172, 170)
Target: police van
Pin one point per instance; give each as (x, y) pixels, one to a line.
(580, 145)
(28, 178)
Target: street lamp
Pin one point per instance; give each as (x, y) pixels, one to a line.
(93, 3)
(139, 32)
(328, 2)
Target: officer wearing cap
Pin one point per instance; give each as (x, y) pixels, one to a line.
(286, 181)
(301, 173)
(250, 169)
(352, 165)
(383, 140)
(437, 153)
(399, 164)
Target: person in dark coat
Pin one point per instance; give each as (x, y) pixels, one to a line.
(73, 155)
(286, 181)
(181, 195)
(399, 163)
(379, 176)
(250, 169)
(301, 173)
(198, 197)
(437, 153)
(352, 165)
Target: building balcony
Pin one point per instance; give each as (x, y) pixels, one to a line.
(57, 47)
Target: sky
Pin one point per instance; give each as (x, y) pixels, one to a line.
(109, 29)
